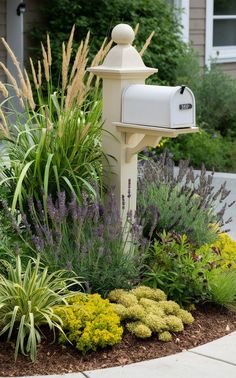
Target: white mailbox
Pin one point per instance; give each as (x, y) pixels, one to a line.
(160, 106)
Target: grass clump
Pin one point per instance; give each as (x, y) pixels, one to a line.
(27, 300)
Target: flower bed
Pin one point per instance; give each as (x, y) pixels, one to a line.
(69, 266)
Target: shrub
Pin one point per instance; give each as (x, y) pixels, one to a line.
(209, 148)
(148, 316)
(86, 237)
(55, 144)
(185, 202)
(173, 265)
(27, 299)
(89, 322)
(167, 46)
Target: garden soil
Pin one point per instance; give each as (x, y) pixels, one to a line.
(210, 323)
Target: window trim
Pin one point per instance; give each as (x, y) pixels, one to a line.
(184, 5)
(222, 54)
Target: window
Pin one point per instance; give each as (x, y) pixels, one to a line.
(221, 31)
(183, 6)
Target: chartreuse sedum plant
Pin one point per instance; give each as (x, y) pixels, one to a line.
(27, 299)
(146, 311)
(54, 144)
(89, 322)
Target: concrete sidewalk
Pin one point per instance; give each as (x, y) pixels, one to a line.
(213, 360)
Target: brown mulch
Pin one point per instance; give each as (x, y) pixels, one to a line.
(210, 324)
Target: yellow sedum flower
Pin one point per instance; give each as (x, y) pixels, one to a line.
(89, 322)
(227, 248)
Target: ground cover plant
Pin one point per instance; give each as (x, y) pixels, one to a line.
(147, 311)
(89, 322)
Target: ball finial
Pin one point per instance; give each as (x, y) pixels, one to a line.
(122, 34)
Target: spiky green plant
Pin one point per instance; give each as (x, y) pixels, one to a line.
(27, 299)
(222, 288)
(54, 144)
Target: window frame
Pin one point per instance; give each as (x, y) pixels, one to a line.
(221, 54)
(183, 16)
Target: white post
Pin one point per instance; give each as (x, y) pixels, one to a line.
(122, 66)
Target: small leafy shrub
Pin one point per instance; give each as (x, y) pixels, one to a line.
(216, 105)
(27, 299)
(214, 90)
(185, 202)
(89, 322)
(209, 148)
(86, 237)
(173, 265)
(222, 288)
(146, 311)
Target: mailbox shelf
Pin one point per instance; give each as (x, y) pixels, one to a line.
(151, 136)
(155, 131)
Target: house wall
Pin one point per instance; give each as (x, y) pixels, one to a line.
(3, 55)
(197, 27)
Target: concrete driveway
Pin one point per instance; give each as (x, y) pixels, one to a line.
(230, 178)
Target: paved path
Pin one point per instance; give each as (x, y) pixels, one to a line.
(213, 360)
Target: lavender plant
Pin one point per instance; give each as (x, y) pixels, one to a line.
(86, 237)
(186, 202)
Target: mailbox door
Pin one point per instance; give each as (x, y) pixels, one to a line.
(183, 109)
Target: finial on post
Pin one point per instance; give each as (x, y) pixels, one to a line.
(122, 34)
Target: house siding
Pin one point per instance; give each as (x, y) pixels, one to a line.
(197, 28)
(3, 55)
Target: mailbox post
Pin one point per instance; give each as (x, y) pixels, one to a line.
(122, 67)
